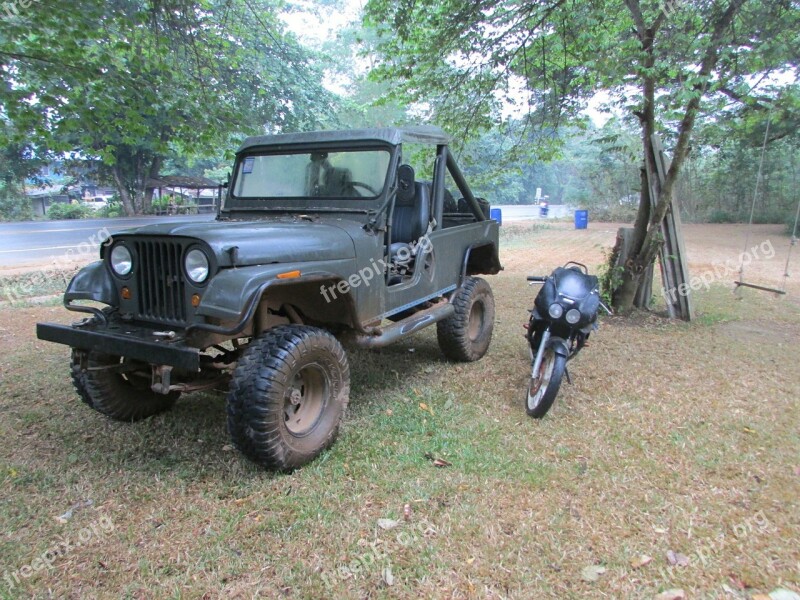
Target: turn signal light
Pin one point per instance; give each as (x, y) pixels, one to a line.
(196, 300)
(288, 275)
(126, 293)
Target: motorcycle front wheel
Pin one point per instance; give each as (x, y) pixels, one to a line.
(542, 390)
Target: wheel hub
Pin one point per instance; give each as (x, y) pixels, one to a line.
(305, 400)
(295, 396)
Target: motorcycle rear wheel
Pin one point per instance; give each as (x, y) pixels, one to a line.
(542, 390)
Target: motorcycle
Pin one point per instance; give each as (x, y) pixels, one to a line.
(564, 315)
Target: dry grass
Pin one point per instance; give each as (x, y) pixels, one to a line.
(673, 437)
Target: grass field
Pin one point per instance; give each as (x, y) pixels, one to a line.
(677, 443)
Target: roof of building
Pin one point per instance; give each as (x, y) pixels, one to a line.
(179, 181)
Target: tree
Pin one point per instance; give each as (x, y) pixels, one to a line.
(17, 164)
(129, 83)
(668, 63)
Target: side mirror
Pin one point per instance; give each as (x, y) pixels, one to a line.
(405, 182)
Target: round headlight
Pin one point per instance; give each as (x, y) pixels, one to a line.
(121, 260)
(556, 310)
(196, 265)
(573, 316)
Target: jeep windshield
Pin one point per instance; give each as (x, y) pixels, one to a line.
(359, 174)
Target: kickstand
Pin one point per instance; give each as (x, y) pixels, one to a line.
(566, 372)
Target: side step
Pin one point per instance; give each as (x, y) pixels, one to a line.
(390, 334)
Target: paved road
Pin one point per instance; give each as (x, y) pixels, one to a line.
(47, 242)
(39, 243)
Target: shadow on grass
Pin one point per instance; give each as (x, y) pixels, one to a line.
(191, 442)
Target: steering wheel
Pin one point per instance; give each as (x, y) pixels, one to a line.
(369, 188)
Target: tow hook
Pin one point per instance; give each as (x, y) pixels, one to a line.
(161, 379)
(80, 358)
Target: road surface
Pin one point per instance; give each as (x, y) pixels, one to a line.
(61, 243)
(38, 243)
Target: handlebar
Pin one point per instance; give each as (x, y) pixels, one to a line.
(538, 278)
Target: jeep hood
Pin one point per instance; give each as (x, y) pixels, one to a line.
(260, 242)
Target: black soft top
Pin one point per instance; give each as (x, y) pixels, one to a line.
(423, 134)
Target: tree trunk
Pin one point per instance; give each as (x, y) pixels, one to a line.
(649, 230)
(124, 195)
(147, 193)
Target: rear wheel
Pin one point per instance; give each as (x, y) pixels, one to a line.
(543, 387)
(465, 336)
(122, 396)
(288, 395)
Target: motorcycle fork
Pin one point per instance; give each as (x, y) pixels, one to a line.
(537, 362)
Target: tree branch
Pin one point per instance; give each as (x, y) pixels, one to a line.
(638, 19)
(649, 247)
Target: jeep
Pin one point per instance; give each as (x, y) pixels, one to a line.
(322, 240)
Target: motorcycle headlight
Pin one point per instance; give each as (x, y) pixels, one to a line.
(556, 310)
(573, 316)
(121, 260)
(196, 265)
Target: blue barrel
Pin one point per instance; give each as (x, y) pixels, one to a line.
(496, 215)
(581, 219)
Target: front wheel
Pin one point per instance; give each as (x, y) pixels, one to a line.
(122, 394)
(287, 396)
(542, 389)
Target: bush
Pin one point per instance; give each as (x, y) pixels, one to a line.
(625, 213)
(112, 209)
(721, 216)
(63, 210)
(14, 205)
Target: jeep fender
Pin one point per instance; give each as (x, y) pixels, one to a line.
(481, 259)
(92, 282)
(234, 295)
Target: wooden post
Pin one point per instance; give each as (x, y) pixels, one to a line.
(674, 271)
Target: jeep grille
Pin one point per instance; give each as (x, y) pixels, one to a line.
(160, 281)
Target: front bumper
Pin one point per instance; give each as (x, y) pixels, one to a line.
(130, 341)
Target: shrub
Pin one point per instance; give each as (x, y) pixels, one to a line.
(63, 210)
(625, 213)
(112, 209)
(721, 216)
(14, 206)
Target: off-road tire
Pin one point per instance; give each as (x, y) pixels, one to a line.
(288, 395)
(79, 383)
(465, 336)
(119, 396)
(552, 372)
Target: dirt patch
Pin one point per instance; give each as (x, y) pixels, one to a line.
(761, 332)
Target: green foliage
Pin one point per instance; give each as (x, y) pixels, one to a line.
(63, 210)
(613, 213)
(720, 178)
(14, 205)
(720, 216)
(792, 225)
(133, 82)
(609, 274)
(113, 209)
